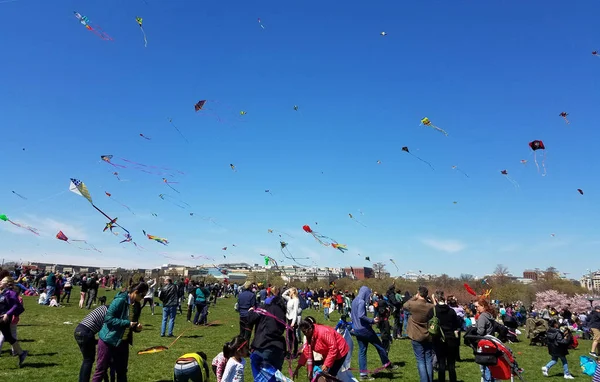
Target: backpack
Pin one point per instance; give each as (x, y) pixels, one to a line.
(200, 297)
(302, 303)
(574, 343)
(433, 326)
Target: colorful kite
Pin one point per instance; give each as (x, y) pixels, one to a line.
(61, 236)
(85, 21)
(288, 255)
(378, 162)
(110, 226)
(108, 159)
(19, 195)
(161, 240)
(524, 161)
(243, 112)
(514, 182)
(405, 149)
(564, 115)
(169, 184)
(595, 53)
(353, 218)
(340, 247)
(199, 105)
(459, 170)
(30, 229)
(538, 145)
(139, 20)
(232, 167)
(426, 122)
(324, 240)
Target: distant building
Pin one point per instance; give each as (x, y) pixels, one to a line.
(360, 273)
(591, 281)
(530, 274)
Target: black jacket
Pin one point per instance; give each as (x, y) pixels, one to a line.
(168, 295)
(558, 344)
(449, 321)
(269, 332)
(593, 320)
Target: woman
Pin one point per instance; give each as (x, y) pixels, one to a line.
(189, 367)
(485, 326)
(460, 312)
(326, 341)
(67, 288)
(85, 335)
(117, 332)
(83, 292)
(445, 346)
(149, 297)
(291, 296)
(10, 307)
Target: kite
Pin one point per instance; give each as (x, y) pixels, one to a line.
(146, 168)
(169, 184)
(324, 240)
(378, 162)
(111, 225)
(367, 258)
(514, 182)
(393, 262)
(340, 247)
(580, 191)
(161, 240)
(269, 192)
(383, 34)
(232, 167)
(19, 195)
(260, 23)
(296, 107)
(470, 290)
(85, 21)
(353, 218)
(243, 112)
(273, 230)
(139, 20)
(538, 145)
(564, 115)
(524, 161)
(158, 349)
(172, 199)
(172, 124)
(552, 235)
(199, 105)
(116, 201)
(426, 122)
(30, 229)
(116, 174)
(459, 170)
(61, 236)
(145, 137)
(201, 257)
(595, 53)
(108, 158)
(288, 255)
(406, 150)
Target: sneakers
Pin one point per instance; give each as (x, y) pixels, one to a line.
(594, 354)
(389, 366)
(23, 355)
(366, 378)
(569, 376)
(545, 371)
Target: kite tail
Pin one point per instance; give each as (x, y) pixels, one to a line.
(28, 228)
(424, 161)
(144, 33)
(172, 188)
(535, 160)
(464, 173)
(544, 164)
(183, 136)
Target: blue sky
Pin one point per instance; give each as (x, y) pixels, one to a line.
(494, 76)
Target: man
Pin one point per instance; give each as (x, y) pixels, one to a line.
(419, 308)
(168, 295)
(396, 310)
(593, 322)
(92, 290)
(246, 300)
(50, 287)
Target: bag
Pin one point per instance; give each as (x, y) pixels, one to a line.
(302, 303)
(486, 359)
(574, 343)
(588, 365)
(200, 297)
(433, 326)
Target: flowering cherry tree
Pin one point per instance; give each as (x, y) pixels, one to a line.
(559, 301)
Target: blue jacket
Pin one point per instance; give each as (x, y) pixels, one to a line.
(246, 300)
(116, 320)
(360, 321)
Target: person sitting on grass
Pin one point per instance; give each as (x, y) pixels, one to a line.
(187, 368)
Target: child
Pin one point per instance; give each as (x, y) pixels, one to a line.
(342, 324)
(326, 305)
(42, 298)
(218, 366)
(53, 302)
(235, 350)
(13, 324)
(187, 367)
(558, 345)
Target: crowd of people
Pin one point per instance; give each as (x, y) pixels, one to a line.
(277, 325)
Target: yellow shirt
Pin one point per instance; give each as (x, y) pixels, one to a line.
(326, 302)
(195, 356)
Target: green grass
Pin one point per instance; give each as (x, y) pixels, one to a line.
(55, 356)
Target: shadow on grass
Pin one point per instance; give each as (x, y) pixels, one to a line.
(193, 336)
(38, 365)
(42, 354)
(26, 340)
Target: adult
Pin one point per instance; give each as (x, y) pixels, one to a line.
(83, 292)
(460, 312)
(396, 304)
(326, 341)
(149, 297)
(168, 295)
(85, 336)
(189, 367)
(419, 308)
(50, 287)
(292, 313)
(67, 287)
(10, 307)
(246, 301)
(269, 342)
(201, 295)
(485, 325)
(593, 323)
(446, 345)
(365, 334)
(92, 290)
(116, 335)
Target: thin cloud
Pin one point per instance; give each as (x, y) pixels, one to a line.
(451, 246)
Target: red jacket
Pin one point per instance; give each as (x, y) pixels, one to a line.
(327, 342)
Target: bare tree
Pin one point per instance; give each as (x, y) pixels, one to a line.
(465, 277)
(501, 271)
(379, 269)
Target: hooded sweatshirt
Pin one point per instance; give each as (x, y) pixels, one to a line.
(360, 321)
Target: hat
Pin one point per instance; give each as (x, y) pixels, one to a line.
(247, 285)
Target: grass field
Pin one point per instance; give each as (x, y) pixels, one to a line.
(54, 354)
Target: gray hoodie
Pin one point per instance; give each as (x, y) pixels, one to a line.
(360, 321)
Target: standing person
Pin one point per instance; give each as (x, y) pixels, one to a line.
(189, 367)
(116, 335)
(13, 323)
(365, 334)
(83, 292)
(168, 295)
(200, 296)
(67, 288)
(339, 299)
(485, 326)
(558, 347)
(447, 344)
(460, 313)
(190, 300)
(292, 313)
(85, 336)
(92, 291)
(50, 287)
(326, 306)
(246, 301)
(419, 308)
(180, 295)
(235, 351)
(396, 306)
(593, 322)
(10, 307)
(149, 297)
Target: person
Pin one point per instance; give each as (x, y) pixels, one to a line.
(85, 334)
(246, 301)
(326, 341)
(92, 291)
(343, 325)
(326, 306)
(268, 342)
(460, 313)
(383, 314)
(200, 301)
(189, 367)
(168, 295)
(50, 287)
(68, 286)
(365, 334)
(396, 305)
(218, 365)
(419, 308)
(149, 297)
(593, 323)
(13, 324)
(485, 325)
(446, 345)
(292, 313)
(558, 341)
(10, 307)
(339, 302)
(235, 351)
(116, 335)
(83, 292)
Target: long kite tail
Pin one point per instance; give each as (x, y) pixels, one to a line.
(464, 173)
(144, 33)
(424, 161)
(180, 133)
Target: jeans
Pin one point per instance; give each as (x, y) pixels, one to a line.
(364, 339)
(405, 324)
(87, 344)
(49, 293)
(201, 310)
(189, 372)
(190, 310)
(169, 313)
(67, 295)
(554, 361)
(91, 298)
(326, 313)
(424, 355)
(116, 357)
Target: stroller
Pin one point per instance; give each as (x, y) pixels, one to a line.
(536, 331)
(491, 353)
